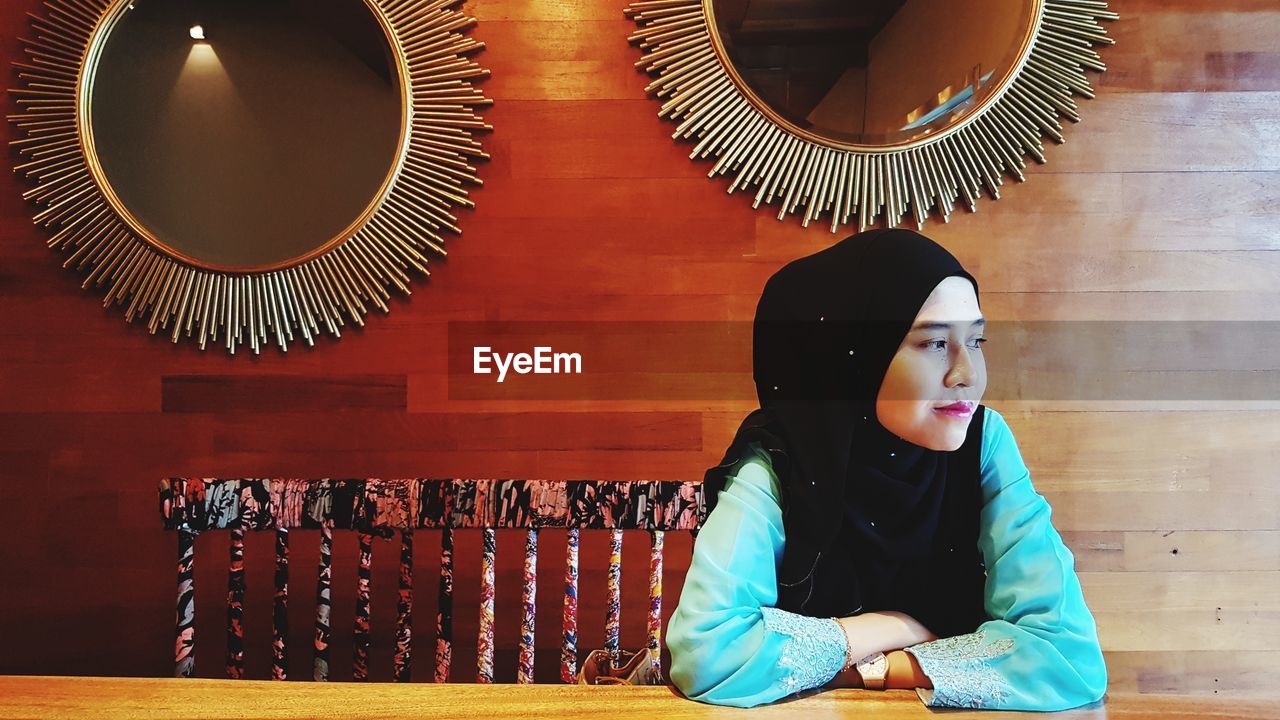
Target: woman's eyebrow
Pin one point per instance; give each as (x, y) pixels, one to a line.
(980, 322)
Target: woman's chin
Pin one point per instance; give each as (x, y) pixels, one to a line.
(930, 429)
(947, 435)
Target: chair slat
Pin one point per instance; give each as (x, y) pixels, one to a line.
(280, 614)
(484, 654)
(528, 607)
(185, 643)
(324, 591)
(235, 603)
(613, 610)
(360, 636)
(382, 507)
(402, 663)
(569, 647)
(444, 617)
(655, 599)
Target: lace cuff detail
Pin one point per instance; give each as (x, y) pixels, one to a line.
(814, 650)
(958, 668)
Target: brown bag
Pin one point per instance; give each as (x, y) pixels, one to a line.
(632, 668)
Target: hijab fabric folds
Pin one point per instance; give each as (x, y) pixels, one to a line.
(872, 521)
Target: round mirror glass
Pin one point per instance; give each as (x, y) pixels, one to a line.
(246, 134)
(872, 72)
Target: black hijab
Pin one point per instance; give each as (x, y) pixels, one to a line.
(872, 521)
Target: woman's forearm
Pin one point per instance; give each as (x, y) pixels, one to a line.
(887, 632)
(904, 674)
(874, 632)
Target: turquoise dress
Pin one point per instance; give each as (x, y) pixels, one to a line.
(730, 646)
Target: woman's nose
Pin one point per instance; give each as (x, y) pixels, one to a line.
(961, 372)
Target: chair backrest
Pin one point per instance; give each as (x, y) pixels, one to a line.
(370, 507)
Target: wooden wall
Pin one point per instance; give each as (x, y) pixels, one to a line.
(1163, 204)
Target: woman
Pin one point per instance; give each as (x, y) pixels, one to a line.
(871, 506)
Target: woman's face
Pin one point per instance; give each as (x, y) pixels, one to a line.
(936, 379)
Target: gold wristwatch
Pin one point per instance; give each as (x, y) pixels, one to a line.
(873, 669)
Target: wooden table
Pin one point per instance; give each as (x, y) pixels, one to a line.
(144, 698)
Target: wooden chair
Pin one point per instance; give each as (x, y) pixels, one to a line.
(372, 507)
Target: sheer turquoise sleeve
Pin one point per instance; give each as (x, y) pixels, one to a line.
(729, 645)
(1041, 651)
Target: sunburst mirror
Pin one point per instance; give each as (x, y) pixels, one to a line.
(855, 112)
(249, 171)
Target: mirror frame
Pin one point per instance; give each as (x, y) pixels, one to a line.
(402, 225)
(809, 175)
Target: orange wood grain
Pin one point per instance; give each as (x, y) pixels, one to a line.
(109, 698)
(1162, 204)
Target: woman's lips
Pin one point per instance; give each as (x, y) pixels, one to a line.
(957, 410)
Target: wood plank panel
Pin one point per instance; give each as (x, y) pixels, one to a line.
(276, 393)
(1175, 550)
(1176, 46)
(1201, 629)
(358, 430)
(1190, 510)
(488, 11)
(1170, 131)
(1093, 213)
(1059, 269)
(561, 60)
(1168, 305)
(1116, 464)
(1233, 673)
(590, 138)
(1178, 590)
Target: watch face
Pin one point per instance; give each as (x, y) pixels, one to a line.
(873, 665)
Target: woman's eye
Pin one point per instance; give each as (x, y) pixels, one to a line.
(976, 344)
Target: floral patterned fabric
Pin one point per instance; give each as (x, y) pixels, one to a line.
(382, 507)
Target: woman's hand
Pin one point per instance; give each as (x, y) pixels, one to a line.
(887, 632)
